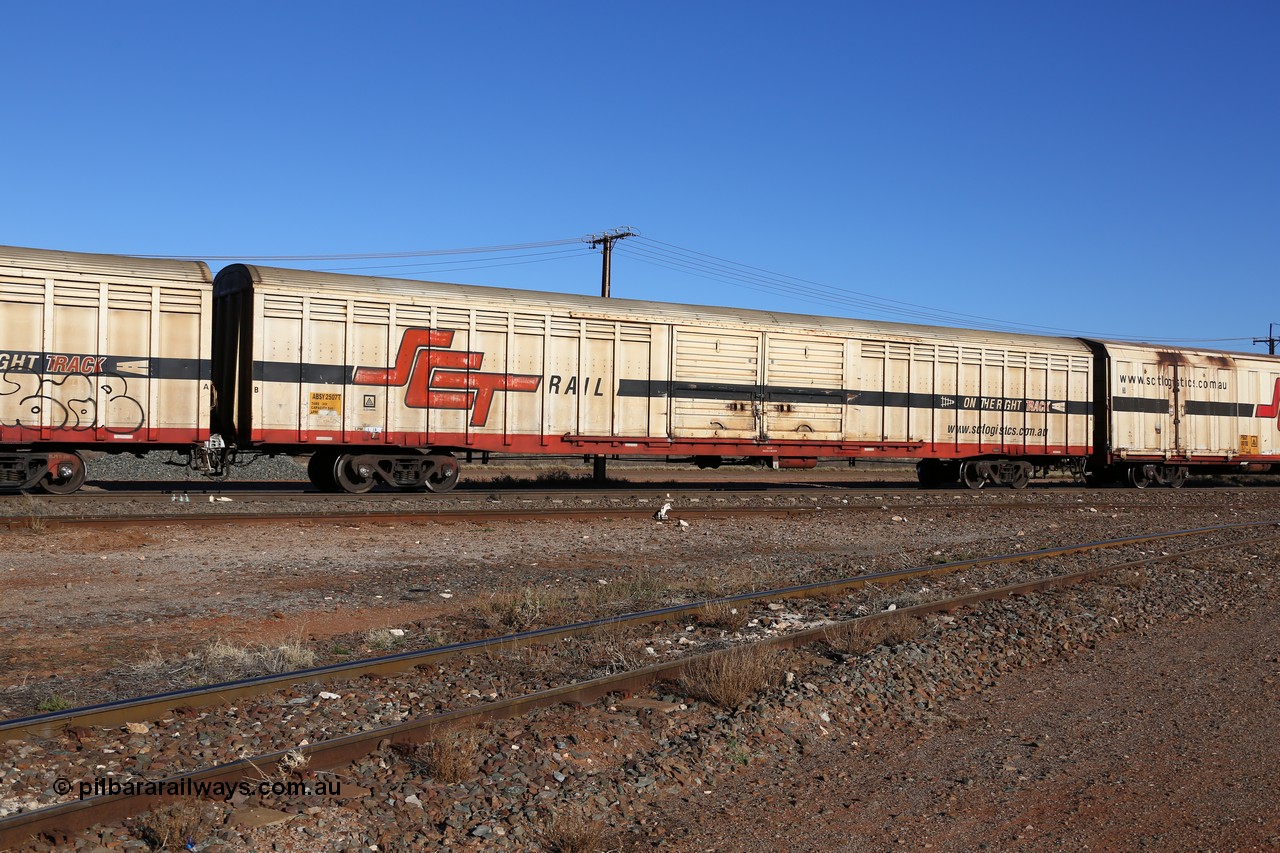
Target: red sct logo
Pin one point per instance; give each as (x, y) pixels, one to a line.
(1272, 410)
(440, 378)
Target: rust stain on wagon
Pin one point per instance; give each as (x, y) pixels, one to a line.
(1166, 358)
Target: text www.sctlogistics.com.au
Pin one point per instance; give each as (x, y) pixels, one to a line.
(991, 429)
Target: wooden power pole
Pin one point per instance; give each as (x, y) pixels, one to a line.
(605, 241)
(1270, 340)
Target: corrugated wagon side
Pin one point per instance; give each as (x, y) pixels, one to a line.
(98, 352)
(384, 381)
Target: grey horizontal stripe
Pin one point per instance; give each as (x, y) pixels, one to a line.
(128, 366)
(1150, 405)
(1221, 410)
(1162, 406)
(845, 396)
(313, 374)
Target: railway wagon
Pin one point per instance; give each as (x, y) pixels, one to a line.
(383, 380)
(98, 351)
(1173, 410)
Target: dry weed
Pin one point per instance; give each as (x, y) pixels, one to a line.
(641, 591)
(723, 615)
(862, 635)
(573, 832)
(382, 639)
(522, 609)
(449, 758)
(35, 510)
(900, 628)
(294, 762)
(224, 661)
(852, 638)
(176, 825)
(731, 677)
(612, 647)
(619, 648)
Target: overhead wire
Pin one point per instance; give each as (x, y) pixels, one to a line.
(686, 262)
(371, 255)
(708, 266)
(481, 266)
(780, 282)
(753, 282)
(583, 250)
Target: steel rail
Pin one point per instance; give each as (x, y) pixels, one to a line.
(592, 513)
(302, 490)
(158, 705)
(59, 821)
(55, 522)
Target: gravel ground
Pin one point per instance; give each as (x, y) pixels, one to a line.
(1162, 739)
(639, 774)
(87, 610)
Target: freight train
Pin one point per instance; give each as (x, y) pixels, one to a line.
(388, 382)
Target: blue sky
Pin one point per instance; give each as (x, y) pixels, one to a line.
(1102, 168)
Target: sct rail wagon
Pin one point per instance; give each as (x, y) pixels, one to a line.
(383, 381)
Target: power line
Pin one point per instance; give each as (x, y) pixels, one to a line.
(368, 255)
(708, 266)
(484, 266)
(479, 263)
(700, 265)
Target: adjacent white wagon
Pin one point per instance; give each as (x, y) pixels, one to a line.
(98, 351)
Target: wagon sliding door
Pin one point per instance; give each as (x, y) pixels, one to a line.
(716, 384)
(804, 388)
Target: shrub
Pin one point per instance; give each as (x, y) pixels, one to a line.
(723, 615)
(448, 758)
(177, 824)
(862, 635)
(572, 832)
(731, 677)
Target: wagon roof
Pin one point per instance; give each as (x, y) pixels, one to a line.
(337, 285)
(1188, 354)
(35, 263)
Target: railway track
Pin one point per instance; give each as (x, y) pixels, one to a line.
(199, 490)
(340, 750)
(270, 510)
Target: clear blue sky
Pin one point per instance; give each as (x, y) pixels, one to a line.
(1102, 167)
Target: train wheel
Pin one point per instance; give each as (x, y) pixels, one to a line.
(67, 475)
(1021, 475)
(1173, 476)
(1141, 476)
(353, 476)
(972, 476)
(444, 476)
(320, 470)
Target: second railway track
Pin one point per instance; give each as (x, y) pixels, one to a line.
(343, 748)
